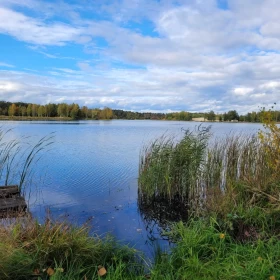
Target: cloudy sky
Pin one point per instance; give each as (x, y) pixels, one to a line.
(141, 55)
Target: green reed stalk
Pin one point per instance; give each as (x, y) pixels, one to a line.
(32, 157)
(228, 173)
(169, 170)
(16, 160)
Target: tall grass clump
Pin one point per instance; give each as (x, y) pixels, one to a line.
(170, 169)
(236, 169)
(236, 179)
(18, 158)
(58, 250)
(242, 179)
(204, 251)
(241, 188)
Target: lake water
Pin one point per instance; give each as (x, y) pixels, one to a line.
(91, 172)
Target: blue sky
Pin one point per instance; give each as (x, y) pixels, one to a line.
(141, 55)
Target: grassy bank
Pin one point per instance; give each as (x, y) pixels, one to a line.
(203, 251)
(55, 250)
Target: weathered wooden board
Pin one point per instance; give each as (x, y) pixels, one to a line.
(15, 203)
(8, 187)
(8, 191)
(11, 203)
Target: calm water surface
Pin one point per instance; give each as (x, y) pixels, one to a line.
(92, 168)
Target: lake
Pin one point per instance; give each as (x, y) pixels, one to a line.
(90, 173)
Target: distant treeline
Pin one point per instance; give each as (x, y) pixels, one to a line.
(74, 111)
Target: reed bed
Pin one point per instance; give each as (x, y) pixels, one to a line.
(230, 173)
(169, 169)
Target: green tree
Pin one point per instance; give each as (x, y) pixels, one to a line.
(181, 116)
(255, 117)
(51, 110)
(85, 112)
(211, 116)
(74, 113)
(106, 113)
(13, 110)
(241, 118)
(29, 110)
(95, 114)
(35, 110)
(231, 115)
(22, 111)
(41, 111)
(63, 110)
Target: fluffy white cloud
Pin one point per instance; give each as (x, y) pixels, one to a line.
(7, 86)
(34, 31)
(242, 91)
(197, 57)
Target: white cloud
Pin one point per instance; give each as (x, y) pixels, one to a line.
(3, 64)
(7, 86)
(242, 91)
(204, 57)
(35, 31)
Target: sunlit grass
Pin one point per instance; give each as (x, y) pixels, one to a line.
(204, 251)
(28, 248)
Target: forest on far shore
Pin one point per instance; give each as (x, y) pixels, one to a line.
(74, 111)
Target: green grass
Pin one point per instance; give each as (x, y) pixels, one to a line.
(28, 248)
(203, 251)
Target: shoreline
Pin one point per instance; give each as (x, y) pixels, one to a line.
(18, 118)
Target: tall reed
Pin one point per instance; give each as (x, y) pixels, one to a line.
(169, 170)
(226, 174)
(18, 157)
(235, 173)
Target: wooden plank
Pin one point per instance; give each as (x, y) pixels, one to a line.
(8, 191)
(16, 203)
(12, 215)
(7, 187)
